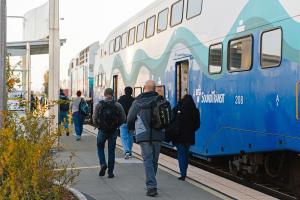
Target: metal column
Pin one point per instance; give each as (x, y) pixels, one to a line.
(54, 55)
(3, 98)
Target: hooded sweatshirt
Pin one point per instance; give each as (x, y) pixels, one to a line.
(139, 118)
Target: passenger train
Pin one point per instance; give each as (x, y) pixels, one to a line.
(240, 60)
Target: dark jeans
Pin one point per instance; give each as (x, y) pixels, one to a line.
(63, 119)
(101, 139)
(78, 123)
(183, 158)
(150, 154)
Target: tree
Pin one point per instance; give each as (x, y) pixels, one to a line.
(46, 82)
(11, 79)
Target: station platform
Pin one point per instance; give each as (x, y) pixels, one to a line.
(129, 181)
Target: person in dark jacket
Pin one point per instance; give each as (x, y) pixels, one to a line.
(185, 124)
(126, 137)
(149, 139)
(63, 111)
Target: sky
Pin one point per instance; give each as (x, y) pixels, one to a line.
(85, 22)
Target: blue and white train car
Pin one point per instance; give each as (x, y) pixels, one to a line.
(239, 59)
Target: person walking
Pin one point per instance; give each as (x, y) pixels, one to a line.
(186, 122)
(77, 116)
(139, 119)
(64, 107)
(107, 117)
(126, 137)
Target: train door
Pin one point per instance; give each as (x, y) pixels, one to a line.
(297, 100)
(182, 79)
(115, 86)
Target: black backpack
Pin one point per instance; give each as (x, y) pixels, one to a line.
(83, 108)
(161, 113)
(108, 117)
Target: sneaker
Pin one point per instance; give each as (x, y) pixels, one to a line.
(182, 178)
(111, 176)
(152, 192)
(130, 155)
(126, 156)
(102, 170)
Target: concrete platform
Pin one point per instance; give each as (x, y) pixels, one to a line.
(129, 181)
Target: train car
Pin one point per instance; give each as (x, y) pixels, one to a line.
(240, 60)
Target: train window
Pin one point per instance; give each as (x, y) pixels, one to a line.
(177, 13)
(194, 8)
(111, 47)
(182, 76)
(118, 44)
(215, 59)
(150, 28)
(140, 32)
(115, 86)
(124, 40)
(131, 36)
(137, 91)
(271, 48)
(162, 21)
(240, 54)
(160, 89)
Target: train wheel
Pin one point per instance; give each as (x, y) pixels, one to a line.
(295, 175)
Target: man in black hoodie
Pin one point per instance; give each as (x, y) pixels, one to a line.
(126, 137)
(139, 119)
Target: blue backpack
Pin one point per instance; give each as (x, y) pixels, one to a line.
(83, 108)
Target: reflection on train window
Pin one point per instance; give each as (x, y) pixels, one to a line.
(271, 48)
(131, 36)
(140, 32)
(162, 21)
(182, 76)
(137, 91)
(115, 86)
(118, 44)
(160, 89)
(124, 40)
(194, 8)
(111, 46)
(177, 13)
(150, 26)
(215, 59)
(240, 54)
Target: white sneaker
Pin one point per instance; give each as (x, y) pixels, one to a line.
(126, 156)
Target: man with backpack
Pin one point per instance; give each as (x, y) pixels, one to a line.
(148, 116)
(64, 107)
(107, 117)
(126, 137)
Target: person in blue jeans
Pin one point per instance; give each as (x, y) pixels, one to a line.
(78, 119)
(126, 137)
(107, 117)
(185, 124)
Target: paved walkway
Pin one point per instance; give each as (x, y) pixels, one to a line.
(128, 183)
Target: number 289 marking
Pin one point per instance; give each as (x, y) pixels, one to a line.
(239, 100)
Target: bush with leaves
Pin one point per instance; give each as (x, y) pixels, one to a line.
(28, 168)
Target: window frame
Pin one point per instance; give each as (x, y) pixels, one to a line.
(252, 50)
(134, 89)
(153, 27)
(120, 43)
(163, 89)
(122, 40)
(222, 51)
(111, 51)
(187, 10)
(128, 41)
(168, 12)
(137, 31)
(182, 13)
(261, 43)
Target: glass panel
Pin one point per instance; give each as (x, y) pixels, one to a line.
(137, 91)
(124, 40)
(160, 90)
(131, 36)
(215, 59)
(177, 13)
(271, 48)
(194, 8)
(162, 22)
(240, 54)
(182, 79)
(140, 32)
(150, 26)
(118, 44)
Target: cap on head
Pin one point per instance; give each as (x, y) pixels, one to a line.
(149, 86)
(108, 92)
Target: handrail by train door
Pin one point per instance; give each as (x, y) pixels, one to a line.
(297, 101)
